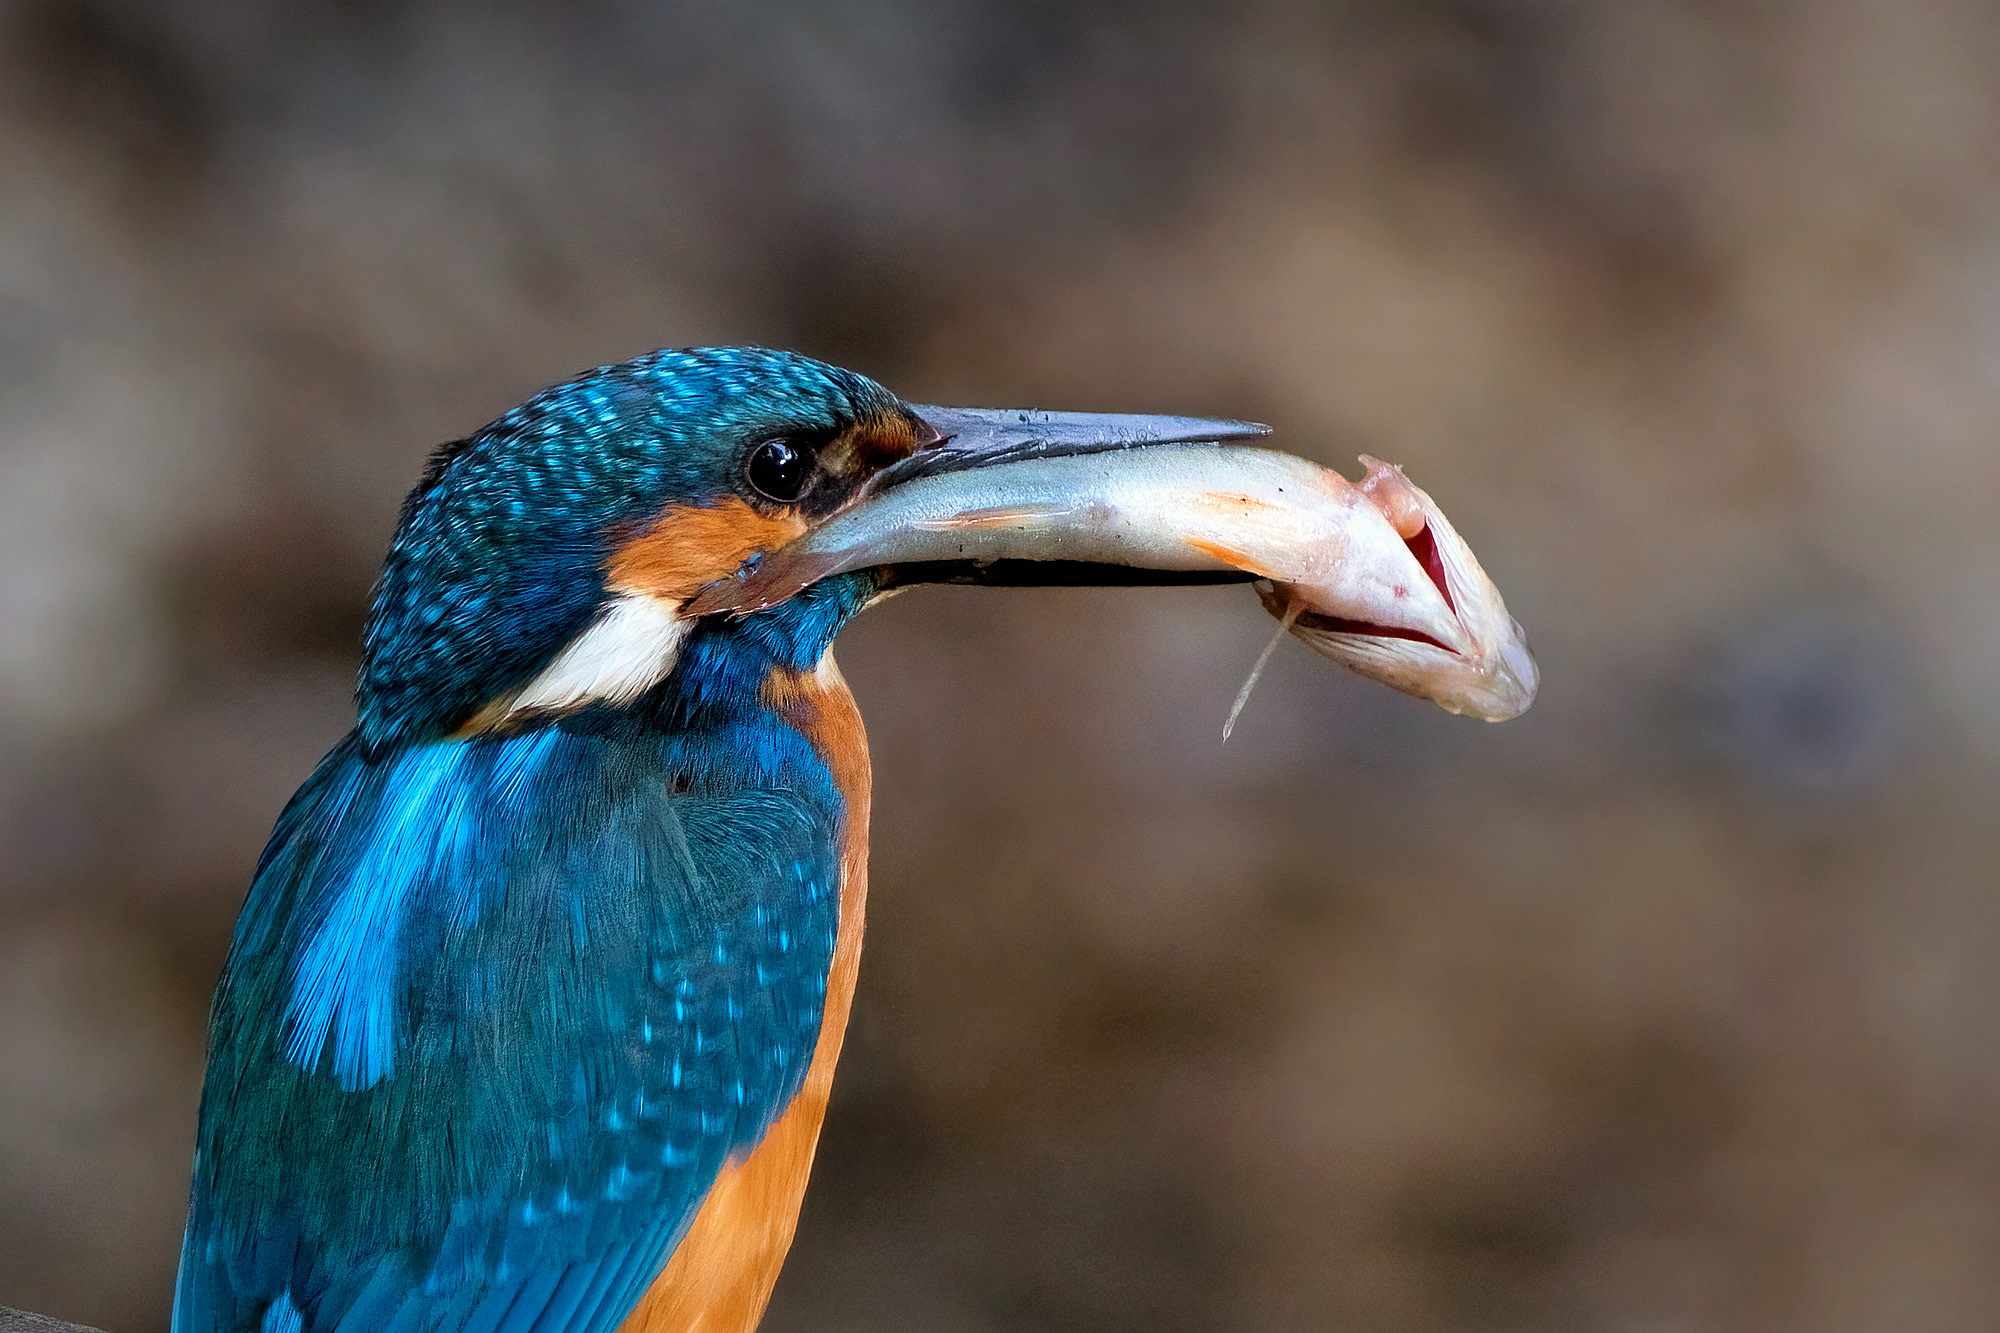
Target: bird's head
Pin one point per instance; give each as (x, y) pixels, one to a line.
(542, 562)
(564, 555)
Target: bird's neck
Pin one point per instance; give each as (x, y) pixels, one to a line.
(729, 1257)
(729, 670)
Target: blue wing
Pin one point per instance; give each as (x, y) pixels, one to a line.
(496, 1012)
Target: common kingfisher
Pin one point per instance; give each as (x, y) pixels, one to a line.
(530, 1018)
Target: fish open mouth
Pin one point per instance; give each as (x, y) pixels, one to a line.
(1337, 625)
(1425, 548)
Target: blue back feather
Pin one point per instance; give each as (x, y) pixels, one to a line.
(499, 1008)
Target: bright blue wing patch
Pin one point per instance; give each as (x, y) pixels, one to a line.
(496, 1013)
(435, 801)
(281, 1316)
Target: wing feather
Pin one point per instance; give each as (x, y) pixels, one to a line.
(580, 995)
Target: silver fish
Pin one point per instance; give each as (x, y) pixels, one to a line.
(1373, 574)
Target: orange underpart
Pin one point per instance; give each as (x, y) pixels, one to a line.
(721, 1274)
(688, 547)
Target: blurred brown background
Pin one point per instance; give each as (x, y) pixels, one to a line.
(1669, 1007)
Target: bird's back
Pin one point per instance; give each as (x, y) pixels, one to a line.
(503, 1012)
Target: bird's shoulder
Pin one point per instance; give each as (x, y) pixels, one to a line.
(495, 1015)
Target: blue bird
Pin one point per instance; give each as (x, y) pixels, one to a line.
(530, 1019)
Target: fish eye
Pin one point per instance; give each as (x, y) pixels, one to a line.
(779, 470)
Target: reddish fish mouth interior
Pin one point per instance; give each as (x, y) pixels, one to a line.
(1341, 625)
(1424, 547)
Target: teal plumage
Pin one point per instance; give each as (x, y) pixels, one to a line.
(531, 1014)
(500, 1005)
(499, 558)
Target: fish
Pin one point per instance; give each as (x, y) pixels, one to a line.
(1370, 574)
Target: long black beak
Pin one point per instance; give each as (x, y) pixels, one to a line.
(972, 437)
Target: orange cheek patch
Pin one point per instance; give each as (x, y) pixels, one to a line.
(685, 549)
(876, 443)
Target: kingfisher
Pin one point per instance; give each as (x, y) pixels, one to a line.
(530, 1018)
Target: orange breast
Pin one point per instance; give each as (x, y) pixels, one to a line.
(720, 1276)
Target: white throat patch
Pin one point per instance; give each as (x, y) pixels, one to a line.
(628, 649)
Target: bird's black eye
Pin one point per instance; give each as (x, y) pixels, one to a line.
(779, 469)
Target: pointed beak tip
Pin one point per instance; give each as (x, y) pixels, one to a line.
(971, 435)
